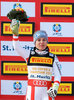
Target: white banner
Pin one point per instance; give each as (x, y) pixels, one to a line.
(13, 87)
(67, 69)
(58, 29)
(8, 50)
(29, 7)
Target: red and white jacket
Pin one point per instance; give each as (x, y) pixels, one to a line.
(41, 65)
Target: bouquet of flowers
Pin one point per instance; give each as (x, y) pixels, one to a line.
(18, 14)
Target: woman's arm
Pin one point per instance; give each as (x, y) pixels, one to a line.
(52, 92)
(17, 46)
(56, 70)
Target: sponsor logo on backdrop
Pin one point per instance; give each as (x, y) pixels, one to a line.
(13, 87)
(60, 49)
(17, 5)
(20, 68)
(26, 28)
(57, 9)
(8, 50)
(58, 29)
(29, 7)
(65, 88)
(14, 68)
(17, 87)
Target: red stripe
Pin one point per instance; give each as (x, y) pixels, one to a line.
(15, 39)
(48, 96)
(33, 92)
(56, 82)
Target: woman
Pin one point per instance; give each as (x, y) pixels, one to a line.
(41, 64)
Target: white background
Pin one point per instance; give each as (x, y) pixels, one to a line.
(67, 69)
(29, 7)
(12, 52)
(7, 87)
(67, 29)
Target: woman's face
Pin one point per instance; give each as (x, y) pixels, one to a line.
(41, 43)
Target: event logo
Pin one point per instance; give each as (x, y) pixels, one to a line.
(17, 5)
(17, 86)
(19, 68)
(26, 28)
(57, 9)
(57, 29)
(8, 48)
